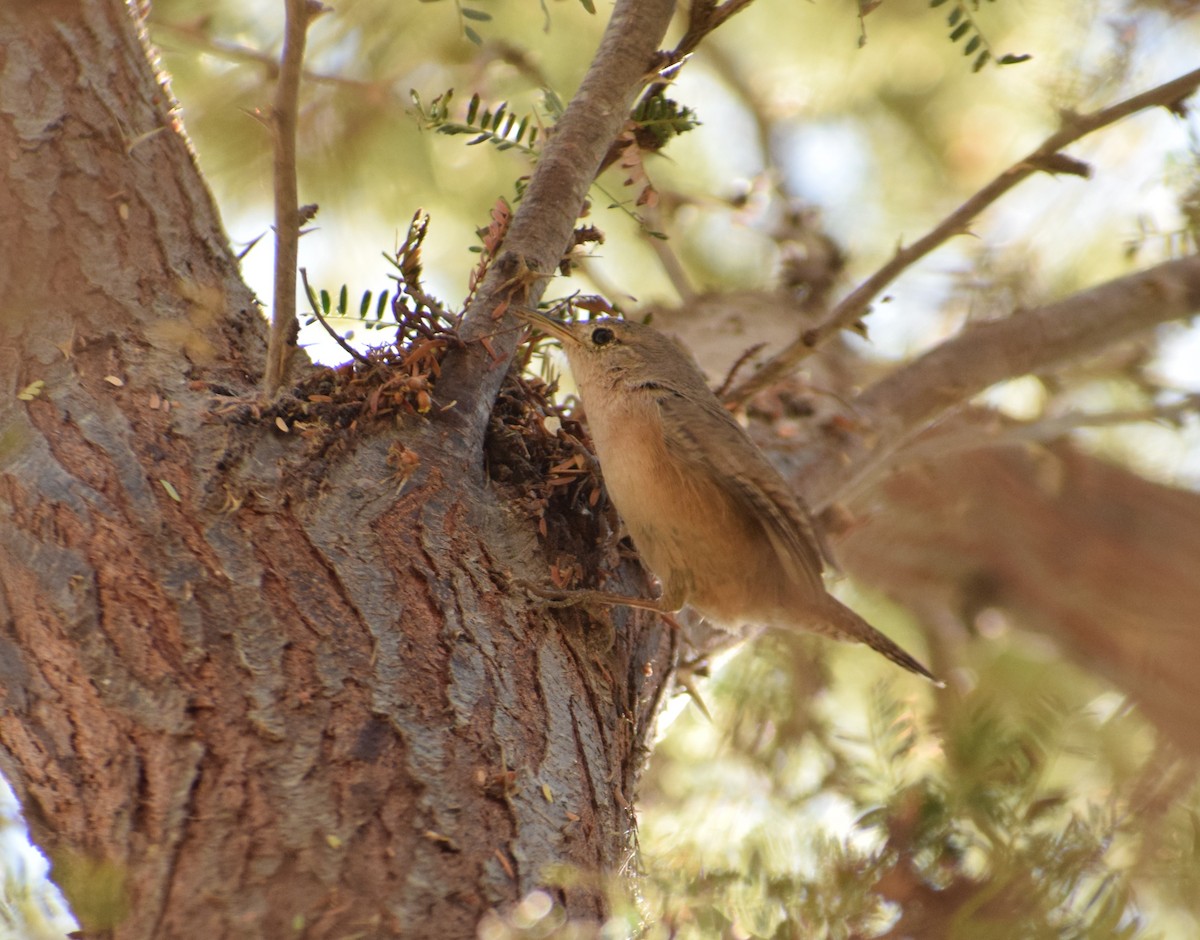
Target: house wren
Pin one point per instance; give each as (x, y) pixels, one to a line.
(710, 515)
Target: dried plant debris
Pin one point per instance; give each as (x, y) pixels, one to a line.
(388, 382)
(538, 453)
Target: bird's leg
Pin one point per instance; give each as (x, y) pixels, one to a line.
(556, 597)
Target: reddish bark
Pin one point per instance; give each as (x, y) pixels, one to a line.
(276, 690)
(265, 689)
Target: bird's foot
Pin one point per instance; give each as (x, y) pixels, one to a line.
(558, 597)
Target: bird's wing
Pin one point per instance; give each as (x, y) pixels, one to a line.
(709, 441)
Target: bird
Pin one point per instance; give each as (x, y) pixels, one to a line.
(709, 514)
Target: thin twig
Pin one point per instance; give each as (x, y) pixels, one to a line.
(238, 52)
(312, 302)
(1003, 432)
(672, 266)
(287, 203)
(1045, 158)
(734, 369)
(429, 302)
(705, 16)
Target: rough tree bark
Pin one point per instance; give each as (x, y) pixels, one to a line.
(258, 688)
(252, 688)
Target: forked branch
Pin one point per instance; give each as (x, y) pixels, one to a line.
(541, 229)
(1047, 157)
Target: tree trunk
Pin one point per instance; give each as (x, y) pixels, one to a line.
(265, 674)
(253, 683)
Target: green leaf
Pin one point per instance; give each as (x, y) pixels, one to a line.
(381, 305)
(1011, 59)
(312, 299)
(553, 104)
(365, 304)
(477, 15)
(473, 108)
(472, 35)
(955, 16)
(589, 6)
(980, 61)
(341, 308)
(171, 491)
(936, 3)
(325, 301)
(972, 45)
(960, 31)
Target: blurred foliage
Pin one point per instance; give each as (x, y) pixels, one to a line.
(1035, 805)
(851, 802)
(829, 797)
(30, 907)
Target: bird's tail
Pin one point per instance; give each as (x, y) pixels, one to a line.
(844, 624)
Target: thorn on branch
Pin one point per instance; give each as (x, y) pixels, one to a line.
(1178, 107)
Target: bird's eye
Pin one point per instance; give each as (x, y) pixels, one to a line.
(602, 336)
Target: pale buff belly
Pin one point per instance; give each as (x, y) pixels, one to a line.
(706, 550)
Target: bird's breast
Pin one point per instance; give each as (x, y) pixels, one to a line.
(705, 546)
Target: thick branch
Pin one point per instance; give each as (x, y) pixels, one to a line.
(1045, 158)
(917, 394)
(541, 229)
(1089, 554)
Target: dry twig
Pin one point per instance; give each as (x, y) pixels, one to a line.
(1047, 157)
(300, 13)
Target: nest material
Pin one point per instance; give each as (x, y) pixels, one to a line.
(537, 451)
(538, 454)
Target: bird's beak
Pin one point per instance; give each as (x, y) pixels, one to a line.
(559, 330)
